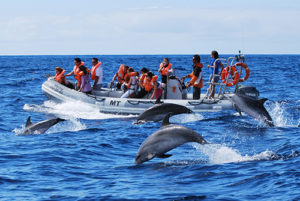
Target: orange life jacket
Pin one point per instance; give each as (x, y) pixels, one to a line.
(80, 73)
(164, 70)
(196, 81)
(132, 74)
(121, 74)
(141, 80)
(94, 68)
(77, 71)
(60, 77)
(150, 84)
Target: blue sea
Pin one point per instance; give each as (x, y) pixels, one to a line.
(91, 156)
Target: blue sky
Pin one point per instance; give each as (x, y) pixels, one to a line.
(149, 27)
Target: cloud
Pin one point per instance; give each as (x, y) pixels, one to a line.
(152, 30)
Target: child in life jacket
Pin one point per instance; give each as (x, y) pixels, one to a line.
(85, 85)
(150, 85)
(130, 82)
(163, 69)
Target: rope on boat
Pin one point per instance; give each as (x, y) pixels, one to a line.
(95, 97)
(203, 101)
(138, 102)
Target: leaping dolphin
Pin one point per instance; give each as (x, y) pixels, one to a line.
(159, 111)
(39, 127)
(253, 107)
(165, 139)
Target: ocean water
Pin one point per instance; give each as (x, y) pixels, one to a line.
(91, 155)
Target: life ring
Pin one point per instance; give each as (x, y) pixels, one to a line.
(246, 69)
(233, 73)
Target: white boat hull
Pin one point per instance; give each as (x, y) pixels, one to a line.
(57, 92)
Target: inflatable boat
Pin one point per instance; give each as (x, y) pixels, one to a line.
(108, 100)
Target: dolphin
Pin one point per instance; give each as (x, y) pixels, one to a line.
(159, 111)
(39, 127)
(253, 107)
(165, 139)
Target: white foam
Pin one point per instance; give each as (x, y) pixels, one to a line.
(185, 118)
(281, 116)
(220, 154)
(19, 131)
(70, 125)
(73, 110)
(277, 113)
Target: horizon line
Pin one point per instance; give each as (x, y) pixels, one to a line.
(142, 54)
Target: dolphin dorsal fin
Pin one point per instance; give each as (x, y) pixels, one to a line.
(28, 122)
(166, 119)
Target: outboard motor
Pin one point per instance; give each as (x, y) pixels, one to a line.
(174, 87)
(174, 90)
(249, 91)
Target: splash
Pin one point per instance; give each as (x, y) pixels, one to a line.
(281, 115)
(71, 110)
(71, 125)
(19, 131)
(277, 113)
(220, 154)
(185, 118)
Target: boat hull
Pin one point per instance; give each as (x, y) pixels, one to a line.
(106, 104)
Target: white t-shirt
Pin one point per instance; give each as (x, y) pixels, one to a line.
(99, 73)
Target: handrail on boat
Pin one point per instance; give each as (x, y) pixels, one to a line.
(223, 86)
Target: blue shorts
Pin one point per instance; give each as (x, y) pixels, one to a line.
(217, 77)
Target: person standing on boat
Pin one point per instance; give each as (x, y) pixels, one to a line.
(76, 71)
(214, 77)
(97, 74)
(85, 85)
(131, 83)
(196, 75)
(163, 69)
(121, 74)
(149, 84)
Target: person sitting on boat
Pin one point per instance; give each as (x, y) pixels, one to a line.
(214, 77)
(150, 85)
(76, 71)
(163, 69)
(121, 76)
(196, 75)
(144, 72)
(96, 74)
(60, 77)
(85, 85)
(130, 82)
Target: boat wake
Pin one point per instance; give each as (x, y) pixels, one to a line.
(71, 110)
